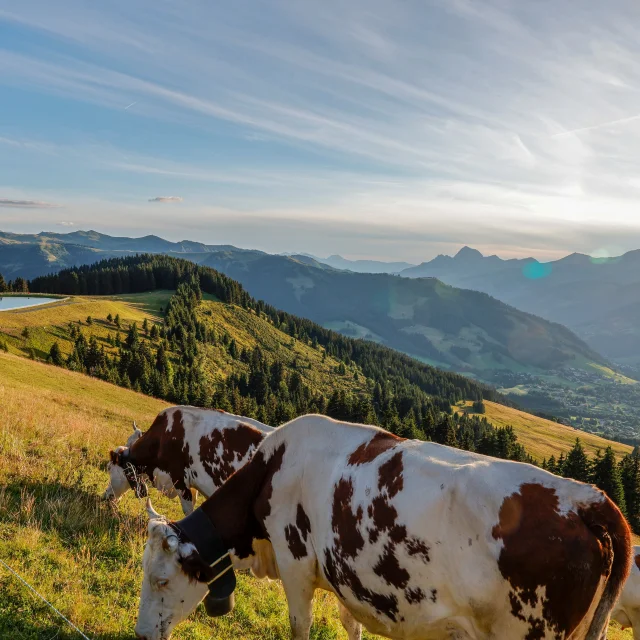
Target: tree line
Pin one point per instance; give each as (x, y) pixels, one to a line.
(619, 480)
(19, 285)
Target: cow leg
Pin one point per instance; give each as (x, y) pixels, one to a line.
(187, 500)
(350, 624)
(299, 592)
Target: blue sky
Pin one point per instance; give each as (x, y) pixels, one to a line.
(373, 128)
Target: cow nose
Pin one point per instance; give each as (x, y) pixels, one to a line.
(140, 637)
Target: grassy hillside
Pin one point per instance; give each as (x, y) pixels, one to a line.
(84, 556)
(50, 323)
(452, 328)
(57, 429)
(544, 438)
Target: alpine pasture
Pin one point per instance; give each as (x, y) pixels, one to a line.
(84, 555)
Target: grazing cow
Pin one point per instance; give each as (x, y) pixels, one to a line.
(185, 450)
(627, 609)
(417, 540)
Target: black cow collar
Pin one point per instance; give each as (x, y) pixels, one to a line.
(135, 481)
(200, 531)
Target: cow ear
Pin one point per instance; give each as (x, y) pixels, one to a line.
(170, 543)
(115, 458)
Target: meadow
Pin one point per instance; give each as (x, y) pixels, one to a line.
(55, 434)
(79, 552)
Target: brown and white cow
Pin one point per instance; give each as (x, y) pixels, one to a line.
(417, 540)
(185, 450)
(627, 609)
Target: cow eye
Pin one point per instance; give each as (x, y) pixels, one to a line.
(161, 584)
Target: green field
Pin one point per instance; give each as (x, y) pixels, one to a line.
(56, 430)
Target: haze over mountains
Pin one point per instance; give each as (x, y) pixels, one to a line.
(454, 328)
(599, 299)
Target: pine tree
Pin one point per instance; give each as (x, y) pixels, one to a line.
(577, 465)
(109, 318)
(606, 475)
(145, 327)
(630, 475)
(89, 320)
(117, 321)
(3, 285)
(55, 355)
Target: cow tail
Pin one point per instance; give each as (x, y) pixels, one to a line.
(609, 526)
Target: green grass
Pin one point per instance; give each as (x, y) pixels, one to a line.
(82, 554)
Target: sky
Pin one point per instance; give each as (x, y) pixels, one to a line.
(370, 128)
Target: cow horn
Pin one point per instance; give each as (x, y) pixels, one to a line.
(135, 426)
(153, 514)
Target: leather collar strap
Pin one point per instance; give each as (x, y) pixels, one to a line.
(135, 481)
(199, 530)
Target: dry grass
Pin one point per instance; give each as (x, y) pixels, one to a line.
(544, 438)
(55, 433)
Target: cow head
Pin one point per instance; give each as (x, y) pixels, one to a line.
(176, 580)
(122, 476)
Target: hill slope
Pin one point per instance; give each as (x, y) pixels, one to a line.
(56, 432)
(544, 438)
(599, 299)
(454, 328)
(85, 557)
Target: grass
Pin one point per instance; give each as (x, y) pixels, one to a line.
(544, 438)
(81, 554)
(50, 323)
(248, 330)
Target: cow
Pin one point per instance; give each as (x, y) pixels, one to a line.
(185, 450)
(417, 540)
(627, 609)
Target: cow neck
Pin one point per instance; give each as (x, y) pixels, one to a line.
(237, 510)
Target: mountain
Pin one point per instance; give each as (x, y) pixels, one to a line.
(458, 329)
(364, 266)
(599, 299)
(32, 255)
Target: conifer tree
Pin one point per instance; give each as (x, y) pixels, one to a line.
(606, 475)
(576, 465)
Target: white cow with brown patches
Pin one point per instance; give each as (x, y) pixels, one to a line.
(627, 609)
(186, 450)
(417, 540)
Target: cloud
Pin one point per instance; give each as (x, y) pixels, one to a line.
(166, 199)
(66, 223)
(27, 204)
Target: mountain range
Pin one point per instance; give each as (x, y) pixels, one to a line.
(597, 298)
(443, 325)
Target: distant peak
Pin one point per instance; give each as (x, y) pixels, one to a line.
(467, 253)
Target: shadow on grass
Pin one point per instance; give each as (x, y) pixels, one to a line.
(25, 629)
(73, 513)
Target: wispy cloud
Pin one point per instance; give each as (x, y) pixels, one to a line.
(348, 112)
(66, 223)
(27, 204)
(166, 199)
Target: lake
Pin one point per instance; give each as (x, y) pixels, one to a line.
(19, 302)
